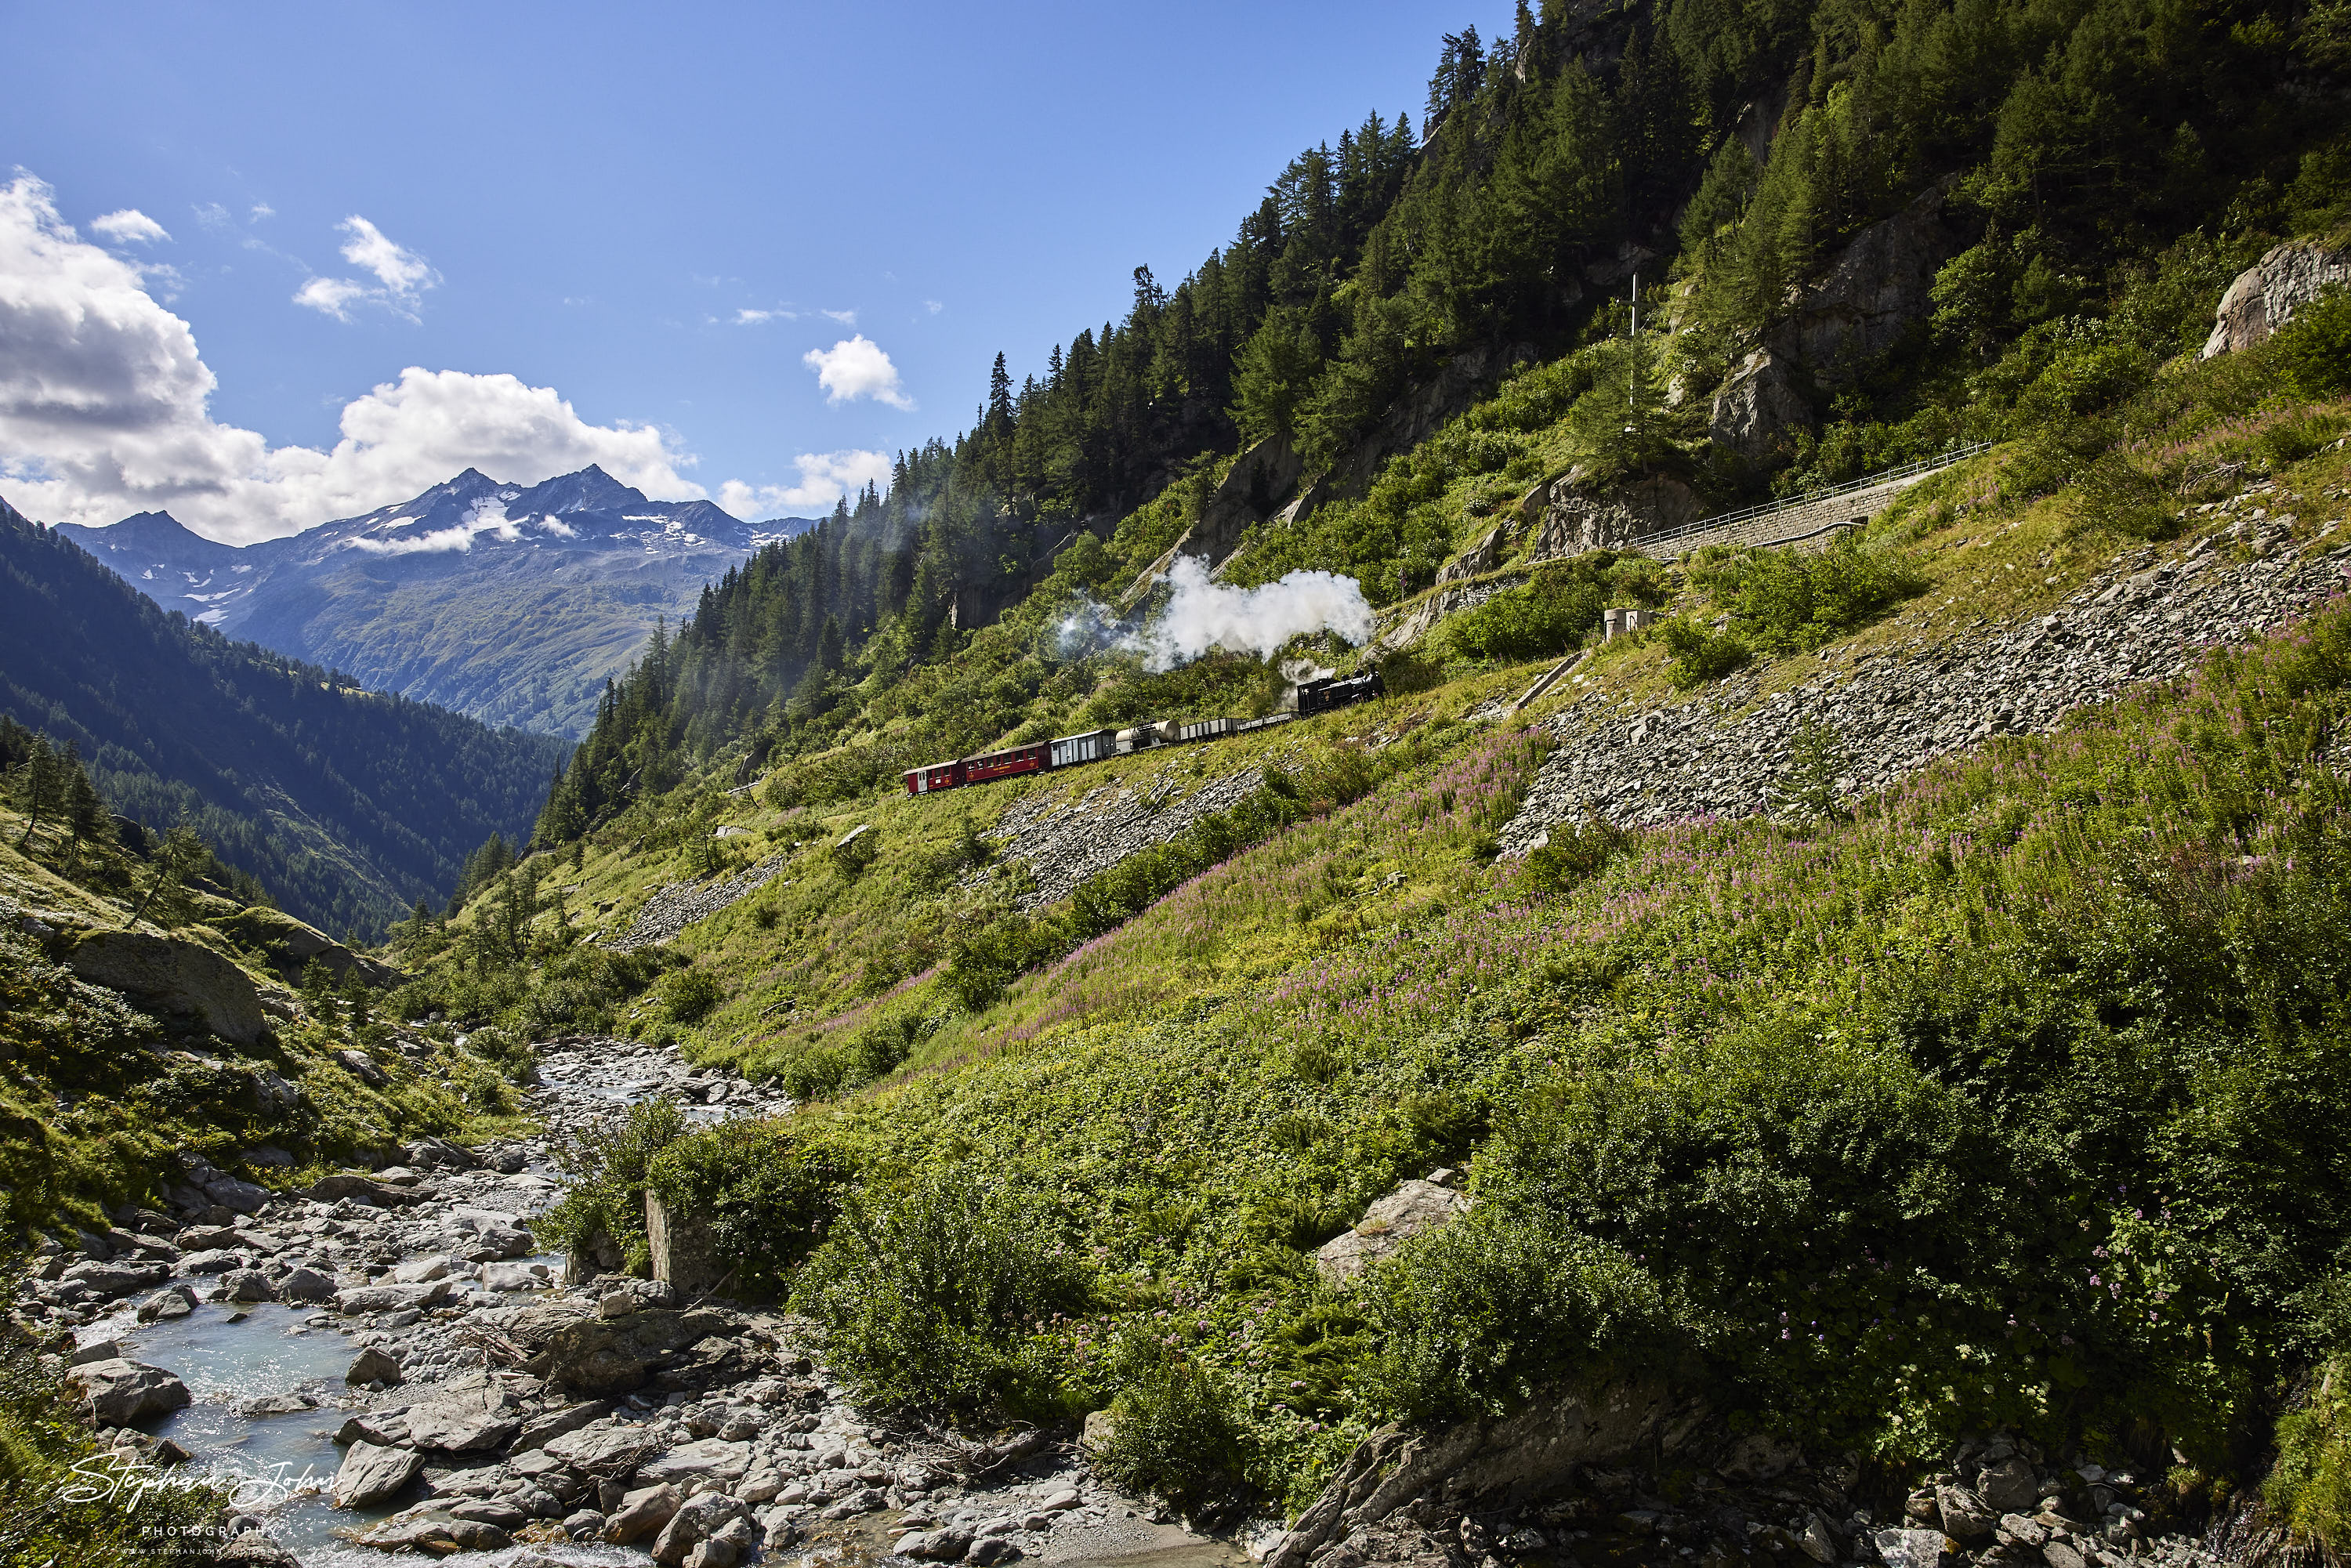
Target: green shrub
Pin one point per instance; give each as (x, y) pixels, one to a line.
(608, 1161)
(1573, 855)
(2314, 350)
(1787, 602)
(1174, 1432)
(1700, 655)
(688, 996)
(2309, 1488)
(1547, 615)
(766, 1196)
(1477, 1318)
(931, 1300)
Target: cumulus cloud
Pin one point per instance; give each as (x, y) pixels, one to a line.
(402, 276)
(825, 478)
(104, 410)
(130, 227)
(854, 367)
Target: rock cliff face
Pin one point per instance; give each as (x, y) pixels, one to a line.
(1572, 520)
(2264, 297)
(1759, 410)
(1878, 285)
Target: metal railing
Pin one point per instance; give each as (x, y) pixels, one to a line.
(1812, 498)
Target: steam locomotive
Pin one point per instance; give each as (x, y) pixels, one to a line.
(1100, 745)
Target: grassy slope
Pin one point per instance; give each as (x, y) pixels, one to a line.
(1914, 1074)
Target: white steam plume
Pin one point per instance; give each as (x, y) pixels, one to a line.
(1201, 615)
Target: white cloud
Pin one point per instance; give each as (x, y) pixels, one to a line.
(402, 276)
(846, 318)
(331, 296)
(400, 270)
(854, 367)
(104, 410)
(261, 210)
(933, 306)
(825, 478)
(129, 225)
(749, 318)
(486, 518)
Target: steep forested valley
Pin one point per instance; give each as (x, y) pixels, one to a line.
(1631, 848)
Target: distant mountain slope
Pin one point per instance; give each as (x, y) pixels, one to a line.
(348, 805)
(509, 603)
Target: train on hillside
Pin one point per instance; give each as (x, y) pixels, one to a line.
(1100, 745)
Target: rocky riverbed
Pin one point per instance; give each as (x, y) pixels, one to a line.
(386, 1365)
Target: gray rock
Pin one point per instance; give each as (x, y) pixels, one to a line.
(545, 1427)
(511, 1277)
(246, 1285)
(711, 1457)
(375, 1365)
(2062, 1554)
(167, 976)
(2264, 297)
(385, 1428)
(2009, 1486)
(946, 1544)
(1413, 1206)
(464, 1421)
(1878, 285)
(120, 1392)
(171, 1301)
(606, 1356)
(643, 1514)
(1965, 1517)
(255, 1550)
(990, 1550)
(1758, 413)
(213, 1260)
(111, 1281)
(371, 1474)
(609, 1452)
(96, 1350)
(306, 1285)
(392, 1297)
(1911, 1548)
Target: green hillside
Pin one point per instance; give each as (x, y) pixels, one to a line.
(347, 807)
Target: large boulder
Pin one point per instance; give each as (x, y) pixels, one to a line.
(352, 1184)
(615, 1356)
(393, 1298)
(371, 1475)
(602, 1449)
(167, 976)
(118, 1393)
(1413, 1206)
(290, 944)
(113, 1280)
(1759, 412)
(2265, 295)
(642, 1514)
(710, 1457)
(465, 1419)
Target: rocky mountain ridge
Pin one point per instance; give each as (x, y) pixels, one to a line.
(510, 603)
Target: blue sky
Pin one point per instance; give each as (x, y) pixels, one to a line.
(653, 214)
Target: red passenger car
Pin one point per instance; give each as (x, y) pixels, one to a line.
(1034, 757)
(934, 776)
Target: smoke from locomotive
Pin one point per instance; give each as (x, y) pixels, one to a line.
(1201, 615)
